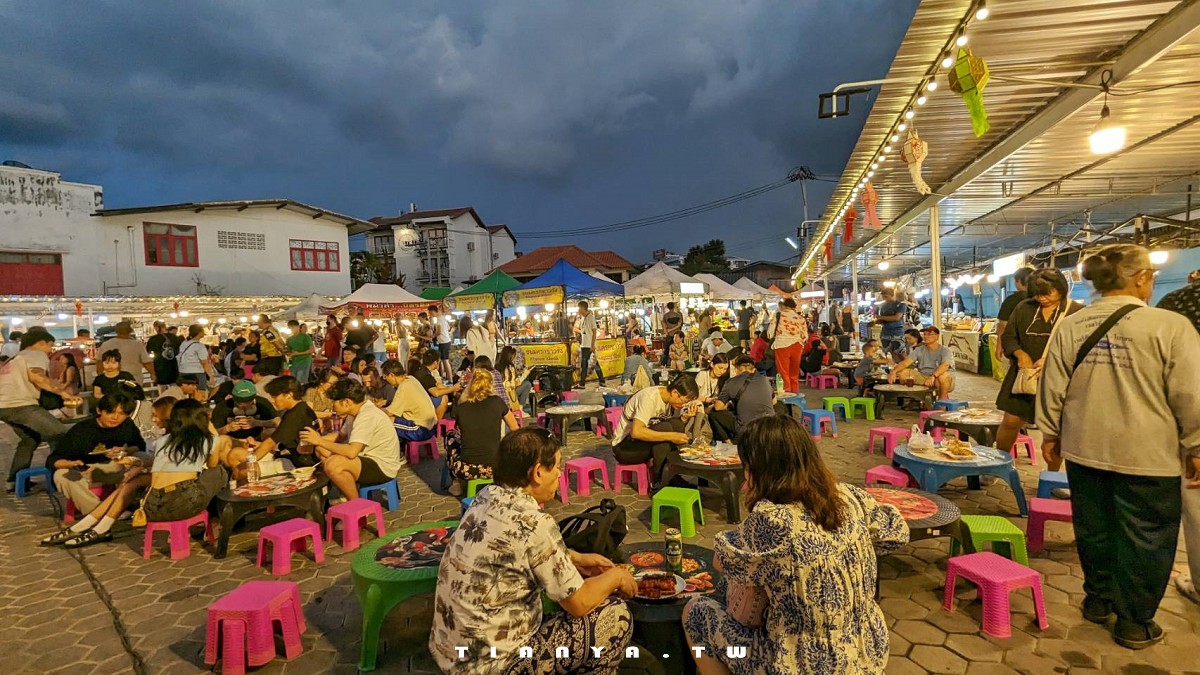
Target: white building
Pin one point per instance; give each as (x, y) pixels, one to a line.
(447, 247)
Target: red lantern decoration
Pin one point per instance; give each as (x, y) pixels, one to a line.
(848, 219)
(78, 308)
(829, 248)
(869, 199)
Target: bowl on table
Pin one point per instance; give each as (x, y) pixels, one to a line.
(303, 472)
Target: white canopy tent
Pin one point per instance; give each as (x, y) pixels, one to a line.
(379, 298)
(661, 280)
(719, 289)
(746, 285)
(309, 307)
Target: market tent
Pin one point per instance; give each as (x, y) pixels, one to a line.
(595, 274)
(775, 290)
(575, 282)
(660, 279)
(494, 284)
(380, 299)
(719, 289)
(435, 292)
(310, 306)
(747, 285)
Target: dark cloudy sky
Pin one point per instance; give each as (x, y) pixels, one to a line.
(542, 115)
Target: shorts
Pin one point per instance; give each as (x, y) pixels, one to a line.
(201, 380)
(744, 334)
(444, 350)
(186, 498)
(371, 474)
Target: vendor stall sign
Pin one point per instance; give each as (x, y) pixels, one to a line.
(529, 297)
(964, 345)
(610, 354)
(467, 303)
(544, 354)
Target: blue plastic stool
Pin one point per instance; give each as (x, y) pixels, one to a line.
(614, 400)
(389, 489)
(1048, 480)
(813, 420)
(26, 475)
(794, 401)
(466, 502)
(949, 405)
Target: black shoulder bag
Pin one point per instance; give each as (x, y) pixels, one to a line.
(600, 529)
(1098, 334)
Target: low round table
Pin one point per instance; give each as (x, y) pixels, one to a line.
(895, 392)
(728, 477)
(981, 428)
(231, 508)
(847, 368)
(927, 515)
(566, 415)
(380, 588)
(933, 472)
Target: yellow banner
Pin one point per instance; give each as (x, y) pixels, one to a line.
(466, 303)
(544, 354)
(610, 354)
(531, 297)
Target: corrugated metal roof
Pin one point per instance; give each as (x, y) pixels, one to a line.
(1052, 185)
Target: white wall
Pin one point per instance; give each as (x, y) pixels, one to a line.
(461, 233)
(503, 249)
(41, 212)
(225, 270)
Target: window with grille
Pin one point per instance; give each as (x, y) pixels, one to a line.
(170, 245)
(247, 241)
(315, 256)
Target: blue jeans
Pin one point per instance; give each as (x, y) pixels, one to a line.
(302, 371)
(32, 425)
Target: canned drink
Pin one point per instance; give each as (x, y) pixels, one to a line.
(674, 541)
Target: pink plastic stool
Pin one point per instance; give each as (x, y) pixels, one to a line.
(413, 449)
(639, 471)
(612, 417)
(520, 417)
(100, 491)
(890, 475)
(241, 625)
(1041, 510)
(570, 396)
(996, 577)
(443, 426)
(891, 438)
(583, 468)
(1027, 441)
(290, 536)
(825, 381)
(177, 535)
(354, 514)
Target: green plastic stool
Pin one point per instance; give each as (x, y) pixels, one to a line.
(682, 500)
(832, 402)
(866, 403)
(999, 531)
(474, 484)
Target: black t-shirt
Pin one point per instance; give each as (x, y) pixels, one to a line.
(425, 378)
(479, 424)
(81, 439)
(262, 411)
(1010, 303)
(122, 383)
(224, 391)
(155, 345)
(361, 337)
(745, 317)
(287, 435)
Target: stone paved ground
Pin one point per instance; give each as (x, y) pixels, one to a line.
(105, 610)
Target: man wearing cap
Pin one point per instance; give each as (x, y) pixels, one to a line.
(929, 363)
(715, 344)
(133, 354)
(246, 415)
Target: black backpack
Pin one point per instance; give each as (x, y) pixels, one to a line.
(599, 529)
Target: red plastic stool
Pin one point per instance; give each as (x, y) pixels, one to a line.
(1027, 441)
(890, 475)
(177, 535)
(241, 625)
(290, 536)
(639, 471)
(996, 577)
(583, 468)
(1041, 510)
(891, 438)
(414, 449)
(354, 514)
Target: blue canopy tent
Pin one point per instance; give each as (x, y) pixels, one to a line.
(575, 282)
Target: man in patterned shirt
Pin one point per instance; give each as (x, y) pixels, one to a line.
(503, 556)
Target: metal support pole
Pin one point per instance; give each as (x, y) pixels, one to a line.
(935, 264)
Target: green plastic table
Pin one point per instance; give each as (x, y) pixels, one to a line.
(380, 588)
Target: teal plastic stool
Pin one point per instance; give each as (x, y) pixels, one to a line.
(682, 500)
(949, 405)
(474, 484)
(832, 403)
(866, 403)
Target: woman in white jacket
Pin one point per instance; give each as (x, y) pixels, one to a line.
(478, 340)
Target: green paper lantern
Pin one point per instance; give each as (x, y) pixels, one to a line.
(968, 78)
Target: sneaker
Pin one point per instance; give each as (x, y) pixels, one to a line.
(88, 538)
(1097, 610)
(58, 537)
(1133, 635)
(1061, 493)
(1187, 588)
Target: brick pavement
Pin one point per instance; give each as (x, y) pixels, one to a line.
(105, 610)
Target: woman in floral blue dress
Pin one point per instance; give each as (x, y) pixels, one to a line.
(810, 544)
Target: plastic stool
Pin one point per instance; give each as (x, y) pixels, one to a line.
(26, 475)
(822, 381)
(466, 503)
(1049, 480)
(995, 529)
(866, 403)
(996, 577)
(474, 484)
(794, 401)
(177, 535)
(354, 514)
(69, 508)
(612, 417)
(891, 438)
(390, 490)
(1041, 510)
(414, 449)
(242, 625)
(290, 536)
(1027, 441)
(615, 400)
(817, 420)
(885, 473)
(832, 403)
(682, 500)
(949, 405)
(445, 425)
(583, 468)
(639, 471)
(570, 396)
(541, 420)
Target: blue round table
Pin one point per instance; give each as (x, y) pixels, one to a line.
(933, 473)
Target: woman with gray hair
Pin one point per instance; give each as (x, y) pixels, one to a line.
(1120, 395)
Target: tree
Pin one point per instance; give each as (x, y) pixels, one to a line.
(366, 268)
(708, 257)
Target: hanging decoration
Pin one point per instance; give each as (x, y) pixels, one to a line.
(836, 238)
(829, 248)
(968, 78)
(913, 152)
(78, 308)
(848, 219)
(869, 199)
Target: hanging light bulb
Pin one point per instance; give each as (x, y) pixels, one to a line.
(874, 165)
(884, 265)
(887, 148)
(1159, 257)
(931, 85)
(983, 12)
(1108, 136)
(896, 137)
(961, 40)
(921, 100)
(908, 115)
(902, 126)
(947, 60)
(870, 174)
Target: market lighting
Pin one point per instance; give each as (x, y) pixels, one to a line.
(908, 115)
(1159, 257)
(791, 243)
(242, 319)
(202, 321)
(102, 319)
(992, 278)
(982, 13)
(961, 40)
(932, 86)
(947, 61)
(902, 127)
(51, 323)
(1108, 136)
(183, 313)
(254, 317)
(221, 320)
(921, 100)
(61, 316)
(174, 315)
(16, 320)
(889, 284)
(549, 306)
(354, 324)
(603, 304)
(945, 291)
(887, 148)
(884, 265)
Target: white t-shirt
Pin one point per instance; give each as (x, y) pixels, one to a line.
(133, 355)
(412, 403)
(192, 354)
(443, 329)
(15, 388)
(587, 331)
(646, 405)
(373, 428)
(707, 384)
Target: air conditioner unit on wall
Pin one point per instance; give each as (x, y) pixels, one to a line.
(470, 246)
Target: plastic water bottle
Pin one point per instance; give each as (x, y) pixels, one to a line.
(252, 468)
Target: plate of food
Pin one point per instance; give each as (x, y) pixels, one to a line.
(658, 586)
(957, 450)
(692, 565)
(701, 582)
(647, 559)
(694, 451)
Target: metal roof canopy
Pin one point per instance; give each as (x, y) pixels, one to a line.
(1031, 178)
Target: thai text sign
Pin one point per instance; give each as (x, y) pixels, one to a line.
(526, 297)
(544, 354)
(610, 354)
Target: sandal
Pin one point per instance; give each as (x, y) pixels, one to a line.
(88, 538)
(59, 537)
